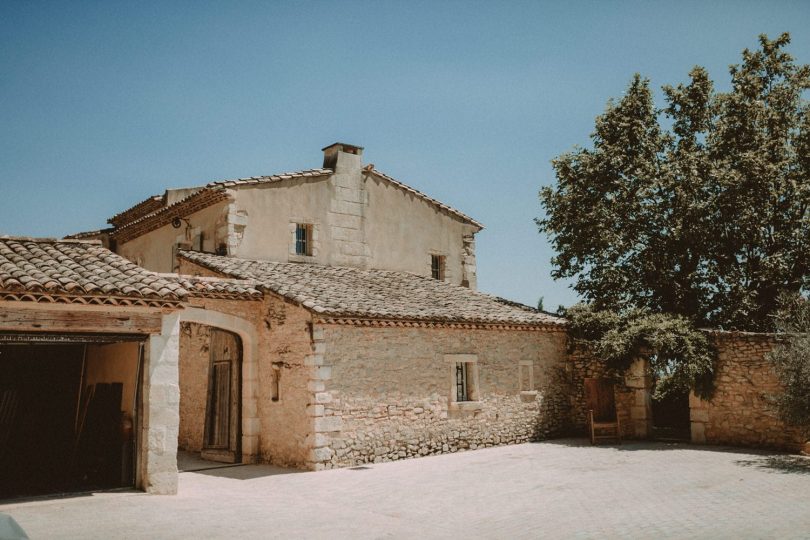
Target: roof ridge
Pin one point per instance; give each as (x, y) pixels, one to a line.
(291, 174)
(50, 240)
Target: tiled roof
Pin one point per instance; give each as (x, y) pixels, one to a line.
(139, 210)
(82, 271)
(163, 216)
(212, 193)
(89, 235)
(214, 287)
(424, 197)
(374, 294)
(34, 267)
(253, 180)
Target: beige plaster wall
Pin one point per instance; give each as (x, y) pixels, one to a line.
(269, 212)
(154, 250)
(114, 363)
(386, 392)
(404, 230)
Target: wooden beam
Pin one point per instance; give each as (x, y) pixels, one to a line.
(79, 320)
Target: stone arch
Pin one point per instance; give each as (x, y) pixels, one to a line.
(250, 355)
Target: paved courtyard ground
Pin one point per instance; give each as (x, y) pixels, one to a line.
(555, 489)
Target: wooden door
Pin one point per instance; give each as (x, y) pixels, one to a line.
(222, 417)
(600, 399)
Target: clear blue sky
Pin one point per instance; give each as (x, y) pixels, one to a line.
(105, 103)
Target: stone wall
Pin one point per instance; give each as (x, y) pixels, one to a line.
(741, 411)
(283, 426)
(631, 392)
(386, 393)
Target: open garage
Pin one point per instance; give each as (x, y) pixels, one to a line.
(88, 370)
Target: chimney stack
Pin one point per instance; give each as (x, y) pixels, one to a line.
(342, 157)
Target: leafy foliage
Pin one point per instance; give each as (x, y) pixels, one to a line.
(792, 360)
(681, 355)
(708, 218)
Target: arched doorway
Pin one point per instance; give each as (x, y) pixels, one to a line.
(210, 373)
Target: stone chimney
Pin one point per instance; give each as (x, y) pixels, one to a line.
(346, 217)
(342, 157)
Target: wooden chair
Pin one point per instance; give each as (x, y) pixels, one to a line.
(603, 421)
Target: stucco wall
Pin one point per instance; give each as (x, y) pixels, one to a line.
(154, 250)
(270, 210)
(404, 230)
(114, 363)
(386, 391)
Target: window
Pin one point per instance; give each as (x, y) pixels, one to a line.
(303, 239)
(462, 385)
(275, 384)
(463, 371)
(437, 266)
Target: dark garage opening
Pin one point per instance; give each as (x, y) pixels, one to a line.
(67, 416)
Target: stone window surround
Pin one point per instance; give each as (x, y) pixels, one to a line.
(448, 275)
(474, 403)
(529, 393)
(316, 244)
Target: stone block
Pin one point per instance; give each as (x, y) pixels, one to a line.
(323, 397)
(326, 424)
(323, 373)
(314, 410)
(698, 430)
(316, 386)
(699, 415)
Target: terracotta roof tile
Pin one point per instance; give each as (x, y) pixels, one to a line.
(214, 287)
(46, 266)
(76, 267)
(375, 294)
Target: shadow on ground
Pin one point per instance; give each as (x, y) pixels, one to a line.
(785, 464)
(245, 472)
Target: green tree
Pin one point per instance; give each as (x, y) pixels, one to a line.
(791, 357)
(707, 218)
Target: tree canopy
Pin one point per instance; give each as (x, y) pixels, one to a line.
(700, 208)
(791, 357)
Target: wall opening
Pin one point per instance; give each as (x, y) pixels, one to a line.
(68, 415)
(670, 414)
(210, 396)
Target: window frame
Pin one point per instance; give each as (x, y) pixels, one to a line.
(438, 266)
(473, 394)
(303, 239)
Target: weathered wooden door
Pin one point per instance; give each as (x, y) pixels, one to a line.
(222, 416)
(600, 399)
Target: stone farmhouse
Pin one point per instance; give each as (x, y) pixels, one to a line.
(318, 319)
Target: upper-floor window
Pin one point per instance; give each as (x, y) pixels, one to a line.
(437, 266)
(303, 239)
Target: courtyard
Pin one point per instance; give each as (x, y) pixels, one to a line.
(553, 489)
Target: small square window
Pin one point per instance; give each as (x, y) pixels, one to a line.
(303, 239)
(437, 267)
